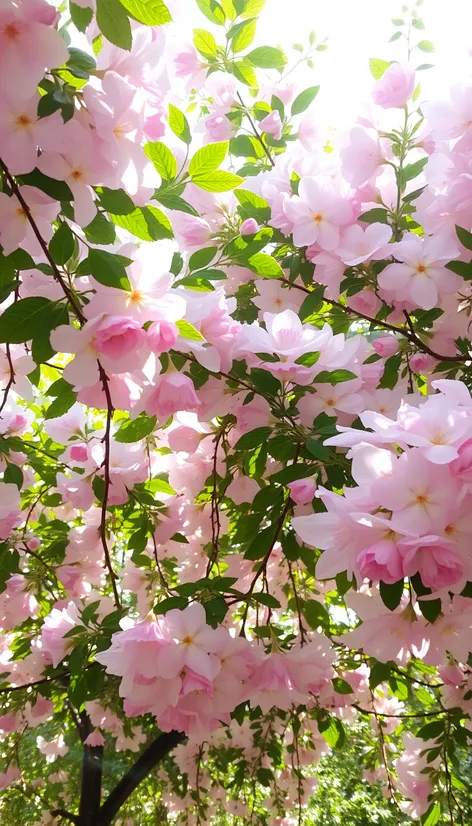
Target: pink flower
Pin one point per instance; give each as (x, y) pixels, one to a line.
(22, 132)
(302, 491)
(361, 157)
(248, 227)
(15, 229)
(10, 512)
(422, 363)
(317, 212)
(10, 776)
(27, 47)
(357, 245)
(434, 558)
(161, 336)
(55, 625)
(395, 87)
(193, 641)
(385, 346)
(117, 336)
(462, 466)
(242, 489)
(173, 392)
(285, 335)
(381, 561)
(421, 277)
(272, 125)
(219, 128)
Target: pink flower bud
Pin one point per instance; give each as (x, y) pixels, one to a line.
(385, 346)
(422, 363)
(272, 125)
(33, 543)
(248, 227)
(95, 739)
(462, 466)
(302, 491)
(395, 87)
(116, 336)
(161, 336)
(174, 392)
(79, 453)
(184, 439)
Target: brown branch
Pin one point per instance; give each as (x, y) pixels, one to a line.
(257, 134)
(215, 513)
(408, 334)
(57, 275)
(66, 815)
(11, 379)
(106, 466)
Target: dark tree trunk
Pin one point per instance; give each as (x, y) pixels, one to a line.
(90, 793)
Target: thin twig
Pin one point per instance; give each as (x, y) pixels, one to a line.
(215, 513)
(257, 134)
(106, 473)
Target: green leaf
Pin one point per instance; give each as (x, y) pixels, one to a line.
(171, 201)
(464, 237)
(61, 245)
(379, 673)
(390, 373)
(133, 430)
(243, 35)
(149, 12)
(267, 57)
(13, 475)
(332, 730)
(461, 268)
(373, 216)
(252, 8)
(210, 275)
(341, 686)
(312, 303)
(216, 610)
(431, 730)
(334, 376)
(264, 265)
(212, 11)
(28, 317)
(58, 190)
(243, 71)
(266, 599)
(254, 438)
(115, 201)
(8, 564)
(201, 258)
(378, 67)
(426, 46)
(204, 42)
(412, 170)
(61, 404)
(81, 17)
(58, 387)
(80, 63)
(187, 330)
(179, 124)
(208, 158)
(147, 223)
(163, 159)
(260, 545)
(113, 23)
(171, 602)
(253, 206)
(432, 816)
(107, 269)
(100, 231)
(304, 99)
(217, 181)
(392, 594)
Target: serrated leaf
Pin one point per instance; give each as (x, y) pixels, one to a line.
(81, 17)
(113, 23)
(149, 12)
(61, 404)
(115, 201)
(179, 124)
(426, 46)
(188, 331)
(100, 231)
(267, 57)
(133, 430)
(392, 594)
(464, 237)
(254, 438)
(217, 181)
(204, 42)
(378, 67)
(29, 317)
(253, 206)
(163, 159)
(264, 265)
(304, 100)
(208, 158)
(212, 11)
(61, 245)
(201, 258)
(147, 223)
(244, 36)
(107, 269)
(379, 673)
(334, 376)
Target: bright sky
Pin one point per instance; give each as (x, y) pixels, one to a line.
(357, 30)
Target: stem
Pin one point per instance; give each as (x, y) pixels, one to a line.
(106, 464)
(257, 134)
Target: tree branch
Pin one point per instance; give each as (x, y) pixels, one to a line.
(66, 815)
(154, 753)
